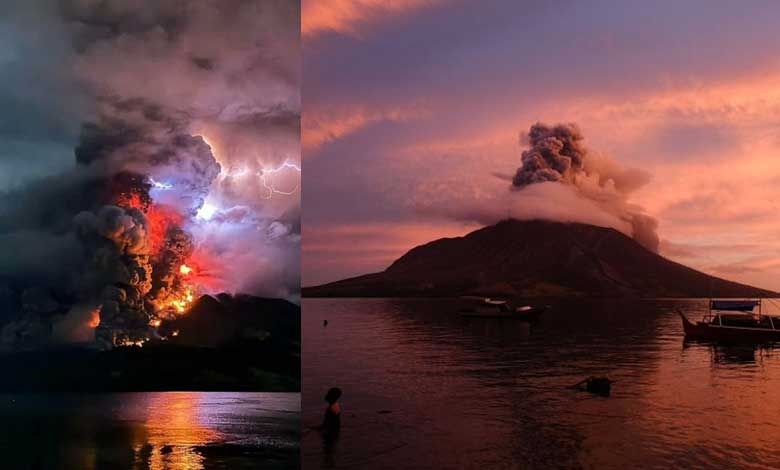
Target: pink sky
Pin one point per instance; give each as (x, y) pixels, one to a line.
(409, 111)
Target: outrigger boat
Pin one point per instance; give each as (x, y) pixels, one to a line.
(734, 320)
(495, 308)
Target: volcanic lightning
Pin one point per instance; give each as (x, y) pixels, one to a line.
(266, 172)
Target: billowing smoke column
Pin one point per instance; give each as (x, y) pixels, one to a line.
(136, 247)
(557, 154)
(185, 179)
(151, 245)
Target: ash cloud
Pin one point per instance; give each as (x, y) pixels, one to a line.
(560, 179)
(173, 92)
(557, 154)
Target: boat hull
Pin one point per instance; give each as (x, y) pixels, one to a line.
(728, 333)
(528, 315)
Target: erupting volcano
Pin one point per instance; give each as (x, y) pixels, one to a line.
(154, 278)
(185, 128)
(162, 288)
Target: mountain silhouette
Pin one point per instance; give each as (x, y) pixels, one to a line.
(536, 258)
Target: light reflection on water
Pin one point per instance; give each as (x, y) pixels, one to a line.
(152, 431)
(424, 388)
(174, 418)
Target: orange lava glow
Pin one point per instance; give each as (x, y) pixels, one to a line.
(94, 318)
(178, 302)
(206, 270)
(159, 219)
(183, 302)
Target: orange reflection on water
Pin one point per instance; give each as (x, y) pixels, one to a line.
(172, 430)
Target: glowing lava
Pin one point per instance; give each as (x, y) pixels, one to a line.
(184, 269)
(182, 303)
(94, 318)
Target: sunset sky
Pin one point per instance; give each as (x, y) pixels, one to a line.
(410, 111)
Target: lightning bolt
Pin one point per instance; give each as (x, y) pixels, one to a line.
(268, 182)
(159, 184)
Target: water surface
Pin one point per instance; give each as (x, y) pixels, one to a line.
(153, 431)
(424, 388)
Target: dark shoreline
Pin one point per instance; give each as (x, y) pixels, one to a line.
(259, 368)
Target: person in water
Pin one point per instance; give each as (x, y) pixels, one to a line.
(331, 423)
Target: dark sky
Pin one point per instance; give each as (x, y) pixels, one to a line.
(41, 104)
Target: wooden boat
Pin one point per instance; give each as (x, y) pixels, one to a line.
(491, 308)
(734, 321)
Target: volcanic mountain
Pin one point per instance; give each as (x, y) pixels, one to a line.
(535, 258)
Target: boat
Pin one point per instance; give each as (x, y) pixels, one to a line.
(495, 308)
(733, 320)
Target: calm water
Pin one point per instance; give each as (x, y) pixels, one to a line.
(424, 388)
(155, 431)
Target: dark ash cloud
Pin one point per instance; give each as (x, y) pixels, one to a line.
(557, 154)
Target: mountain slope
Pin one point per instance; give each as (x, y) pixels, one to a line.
(535, 258)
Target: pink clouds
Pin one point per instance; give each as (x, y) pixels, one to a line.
(321, 127)
(346, 16)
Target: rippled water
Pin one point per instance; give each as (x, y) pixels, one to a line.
(154, 431)
(424, 388)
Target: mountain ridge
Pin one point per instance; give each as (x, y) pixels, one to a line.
(535, 258)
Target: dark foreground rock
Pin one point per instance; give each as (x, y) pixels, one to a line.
(240, 343)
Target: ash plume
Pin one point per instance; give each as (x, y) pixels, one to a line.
(173, 95)
(557, 155)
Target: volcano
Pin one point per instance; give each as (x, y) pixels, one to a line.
(533, 259)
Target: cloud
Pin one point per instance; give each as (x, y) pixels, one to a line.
(347, 16)
(321, 128)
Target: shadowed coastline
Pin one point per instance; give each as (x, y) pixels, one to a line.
(240, 343)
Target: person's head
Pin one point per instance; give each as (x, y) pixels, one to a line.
(333, 395)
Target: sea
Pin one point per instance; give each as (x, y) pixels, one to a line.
(426, 388)
(150, 431)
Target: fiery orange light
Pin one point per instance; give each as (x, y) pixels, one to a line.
(180, 303)
(159, 218)
(94, 319)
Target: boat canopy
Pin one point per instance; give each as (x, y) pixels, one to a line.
(734, 305)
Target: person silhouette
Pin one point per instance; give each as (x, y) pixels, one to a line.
(325, 323)
(331, 427)
(331, 423)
